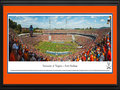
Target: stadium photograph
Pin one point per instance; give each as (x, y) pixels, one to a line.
(56, 37)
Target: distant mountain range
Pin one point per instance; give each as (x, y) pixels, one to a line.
(103, 27)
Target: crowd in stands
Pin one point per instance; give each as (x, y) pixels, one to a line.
(101, 51)
(98, 50)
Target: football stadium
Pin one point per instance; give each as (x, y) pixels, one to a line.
(91, 44)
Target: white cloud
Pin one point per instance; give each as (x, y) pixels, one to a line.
(68, 17)
(56, 17)
(95, 21)
(88, 22)
(61, 16)
(102, 20)
(92, 16)
(36, 19)
(59, 23)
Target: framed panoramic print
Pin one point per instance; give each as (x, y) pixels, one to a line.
(60, 44)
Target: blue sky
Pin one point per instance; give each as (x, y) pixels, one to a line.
(68, 22)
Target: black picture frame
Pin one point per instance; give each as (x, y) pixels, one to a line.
(59, 3)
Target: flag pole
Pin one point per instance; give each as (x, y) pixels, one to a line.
(109, 21)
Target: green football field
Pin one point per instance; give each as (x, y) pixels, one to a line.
(56, 47)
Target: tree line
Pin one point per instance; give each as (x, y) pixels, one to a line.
(14, 25)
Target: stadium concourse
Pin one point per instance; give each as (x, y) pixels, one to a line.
(96, 45)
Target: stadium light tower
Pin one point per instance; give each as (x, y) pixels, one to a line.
(109, 21)
(66, 24)
(49, 28)
(49, 23)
